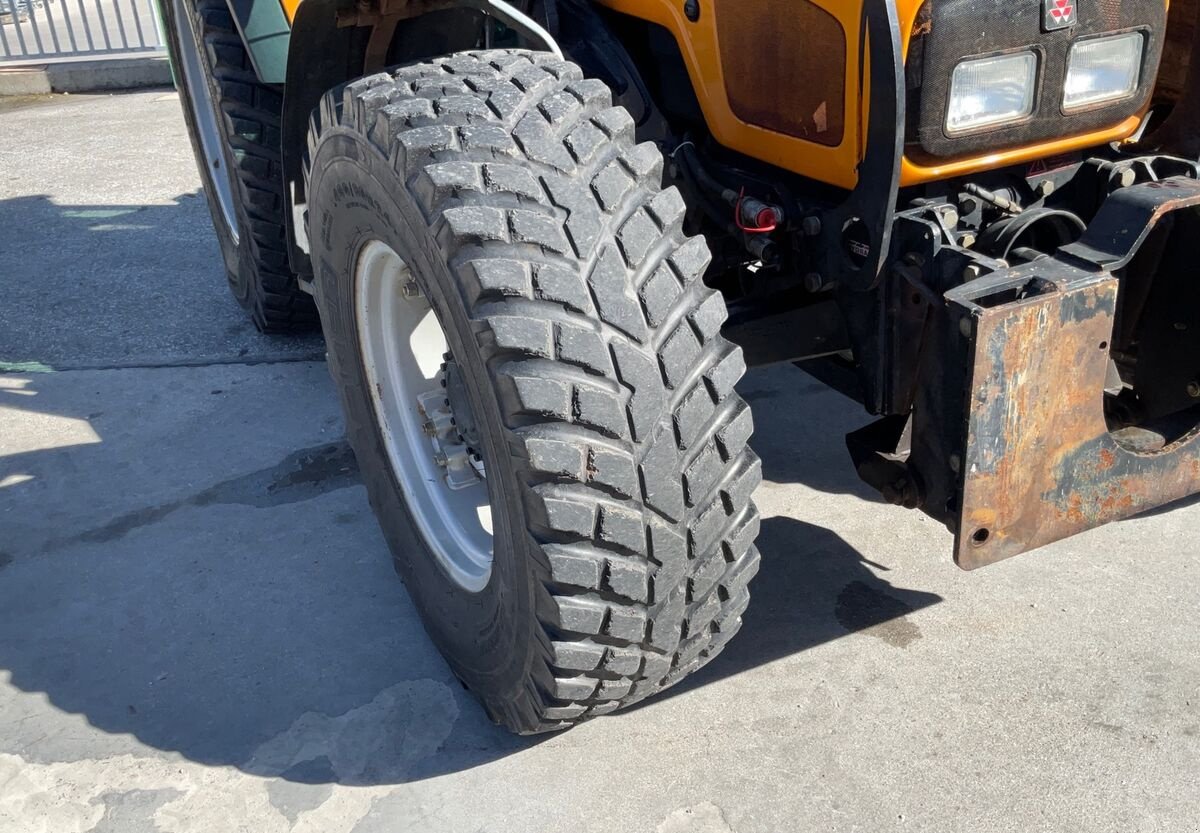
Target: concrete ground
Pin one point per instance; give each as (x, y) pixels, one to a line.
(200, 629)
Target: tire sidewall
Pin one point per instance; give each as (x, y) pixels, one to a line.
(356, 196)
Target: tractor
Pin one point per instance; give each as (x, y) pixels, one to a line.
(545, 238)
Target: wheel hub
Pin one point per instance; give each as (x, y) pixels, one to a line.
(451, 428)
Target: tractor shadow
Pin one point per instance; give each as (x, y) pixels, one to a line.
(110, 285)
(251, 619)
(800, 428)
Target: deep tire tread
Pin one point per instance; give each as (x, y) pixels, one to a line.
(602, 340)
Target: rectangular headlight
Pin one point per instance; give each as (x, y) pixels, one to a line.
(1102, 70)
(986, 92)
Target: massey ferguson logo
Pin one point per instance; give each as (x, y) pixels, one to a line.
(1058, 14)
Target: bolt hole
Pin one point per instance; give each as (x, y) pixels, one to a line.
(1104, 345)
(980, 536)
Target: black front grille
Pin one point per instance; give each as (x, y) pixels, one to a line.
(949, 31)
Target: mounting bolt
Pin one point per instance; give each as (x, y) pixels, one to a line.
(1193, 390)
(973, 271)
(950, 215)
(441, 459)
(811, 226)
(1045, 188)
(691, 8)
(813, 282)
(411, 290)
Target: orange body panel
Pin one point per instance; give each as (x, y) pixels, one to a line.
(835, 165)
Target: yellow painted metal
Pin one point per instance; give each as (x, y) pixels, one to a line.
(698, 43)
(835, 165)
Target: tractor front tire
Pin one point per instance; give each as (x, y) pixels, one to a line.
(507, 198)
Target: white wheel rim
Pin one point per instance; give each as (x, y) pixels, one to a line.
(403, 347)
(205, 115)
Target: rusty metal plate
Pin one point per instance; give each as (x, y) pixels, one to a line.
(1039, 463)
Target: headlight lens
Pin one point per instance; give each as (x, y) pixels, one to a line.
(1102, 70)
(990, 91)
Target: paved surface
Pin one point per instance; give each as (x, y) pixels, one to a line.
(200, 629)
(106, 246)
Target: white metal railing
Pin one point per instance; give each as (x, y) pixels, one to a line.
(33, 31)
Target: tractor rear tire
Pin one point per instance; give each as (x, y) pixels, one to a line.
(233, 122)
(600, 388)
